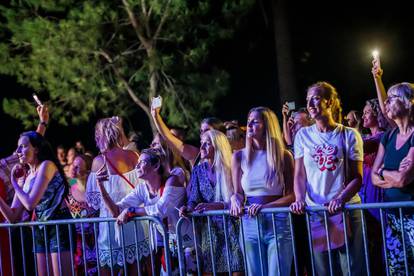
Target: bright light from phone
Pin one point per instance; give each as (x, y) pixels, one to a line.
(375, 54)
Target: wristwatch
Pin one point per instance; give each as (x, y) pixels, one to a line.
(131, 210)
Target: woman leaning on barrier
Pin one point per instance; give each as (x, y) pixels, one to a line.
(393, 170)
(328, 171)
(262, 174)
(161, 195)
(210, 188)
(122, 179)
(41, 189)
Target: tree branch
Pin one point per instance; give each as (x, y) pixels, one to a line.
(163, 19)
(130, 91)
(136, 24)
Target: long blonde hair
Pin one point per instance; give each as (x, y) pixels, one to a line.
(108, 133)
(274, 146)
(221, 164)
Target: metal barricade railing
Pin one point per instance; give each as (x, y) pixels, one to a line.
(9, 250)
(355, 210)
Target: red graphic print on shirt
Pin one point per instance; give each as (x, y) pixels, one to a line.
(325, 156)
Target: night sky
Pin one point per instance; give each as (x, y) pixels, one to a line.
(328, 42)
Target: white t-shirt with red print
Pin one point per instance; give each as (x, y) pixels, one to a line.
(323, 157)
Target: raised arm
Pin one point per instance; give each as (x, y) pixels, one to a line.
(286, 129)
(43, 112)
(377, 73)
(188, 152)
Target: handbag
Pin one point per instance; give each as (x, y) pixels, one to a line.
(334, 222)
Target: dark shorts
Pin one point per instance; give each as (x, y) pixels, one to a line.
(47, 239)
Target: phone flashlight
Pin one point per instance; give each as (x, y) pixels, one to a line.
(37, 100)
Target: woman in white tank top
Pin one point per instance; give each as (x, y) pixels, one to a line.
(262, 177)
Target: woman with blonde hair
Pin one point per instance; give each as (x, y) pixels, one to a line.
(122, 179)
(262, 176)
(210, 188)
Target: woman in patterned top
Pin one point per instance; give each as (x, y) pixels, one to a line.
(210, 188)
(79, 209)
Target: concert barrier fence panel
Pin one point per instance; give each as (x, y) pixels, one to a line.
(350, 254)
(19, 239)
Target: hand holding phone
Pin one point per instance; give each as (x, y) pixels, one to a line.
(291, 106)
(375, 56)
(156, 102)
(37, 100)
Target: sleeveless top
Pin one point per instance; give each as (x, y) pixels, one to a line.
(253, 180)
(48, 206)
(392, 160)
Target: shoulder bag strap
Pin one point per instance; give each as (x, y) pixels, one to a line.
(119, 173)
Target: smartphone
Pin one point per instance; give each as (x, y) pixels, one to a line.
(291, 105)
(36, 98)
(156, 102)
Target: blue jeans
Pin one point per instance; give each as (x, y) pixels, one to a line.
(264, 262)
(339, 260)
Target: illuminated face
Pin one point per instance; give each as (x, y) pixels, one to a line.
(78, 168)
(255, 125)
(315, 103)
(350, 118)
(144, 167)
(25, 151)
(395, 107)
(206, 148)
(369, 119)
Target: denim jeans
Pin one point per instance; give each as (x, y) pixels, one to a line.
(265, 262)
(339, 260)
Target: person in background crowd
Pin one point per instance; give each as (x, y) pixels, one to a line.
(188, 152)
(79, 147)
(210, 188)
(373, 120)
(41, 189)
(122, 179)
(161, 195)
(262, 173)
(70, 156)
(61, 155)
(328, 171)
(353, 119)
(235, 134)
(393, 171)
(79, 208)
(291, 124)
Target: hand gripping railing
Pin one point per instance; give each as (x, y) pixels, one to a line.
(69, 223)
(347, 210)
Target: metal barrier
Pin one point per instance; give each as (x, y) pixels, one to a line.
(11, 264)
(356, 210)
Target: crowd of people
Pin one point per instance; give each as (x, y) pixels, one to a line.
(312, 159)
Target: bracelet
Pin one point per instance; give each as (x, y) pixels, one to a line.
(43, 123)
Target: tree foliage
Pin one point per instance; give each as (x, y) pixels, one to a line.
(106, 57)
